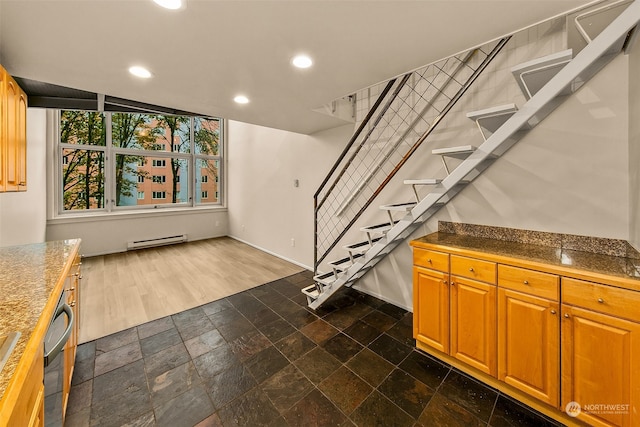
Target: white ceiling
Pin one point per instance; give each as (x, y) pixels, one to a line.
(204, 55)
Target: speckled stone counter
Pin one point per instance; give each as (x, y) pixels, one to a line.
(529, 248)
(30, 276)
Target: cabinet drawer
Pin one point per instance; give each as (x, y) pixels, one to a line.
(431, 259)
(602, 298)
(472, 268)
(530, 282)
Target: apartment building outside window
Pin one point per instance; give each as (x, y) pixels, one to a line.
(134, 161)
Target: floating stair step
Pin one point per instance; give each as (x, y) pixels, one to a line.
(533, 75)
(426, 181)
(460, 152)
(377, 229)
(399, 207)
(344, 263)
(325, 279)
(311, 292)
(360, 247)
(489, 120)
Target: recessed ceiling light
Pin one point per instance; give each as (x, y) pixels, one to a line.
(302, 61)
(241, 99)
(141, 72)
(169, 4)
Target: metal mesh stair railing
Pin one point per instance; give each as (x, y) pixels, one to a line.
(408, 110)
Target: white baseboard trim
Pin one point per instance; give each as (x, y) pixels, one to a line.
(383, 298)
(306, 267)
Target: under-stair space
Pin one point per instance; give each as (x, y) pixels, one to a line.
(545, 83)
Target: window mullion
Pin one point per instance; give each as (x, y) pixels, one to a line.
(110, 166)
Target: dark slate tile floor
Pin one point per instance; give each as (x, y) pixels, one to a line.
(261, 358)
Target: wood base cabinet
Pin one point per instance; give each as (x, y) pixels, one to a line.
(601, 353)
(456, 315)
(545, 334)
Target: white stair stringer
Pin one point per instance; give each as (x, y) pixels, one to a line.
(573, 75)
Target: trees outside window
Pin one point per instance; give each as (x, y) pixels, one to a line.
(125, 160)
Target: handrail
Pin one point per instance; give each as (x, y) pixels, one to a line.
(497, 48)
(404, 80)
(355, 136)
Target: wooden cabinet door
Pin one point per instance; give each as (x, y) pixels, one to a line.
(431, 308)
(28, 410)
(3, 130)
(600, 367)
(21, 141)
(528, 344)
(11, 134)
(473, 324)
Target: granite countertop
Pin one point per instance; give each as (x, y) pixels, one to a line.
(29, 275)
(625, 269)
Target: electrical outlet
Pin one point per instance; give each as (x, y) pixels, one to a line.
(293, 243)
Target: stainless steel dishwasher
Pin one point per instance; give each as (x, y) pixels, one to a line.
(55, 340)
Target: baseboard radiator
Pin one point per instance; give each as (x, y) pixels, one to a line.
(159, 241)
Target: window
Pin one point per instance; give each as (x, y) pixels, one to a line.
(119, 157)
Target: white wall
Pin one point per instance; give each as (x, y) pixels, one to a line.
(634, 146)
(265, 209)
(110, 233)
(23, 215)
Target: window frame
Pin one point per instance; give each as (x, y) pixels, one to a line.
(110, 152)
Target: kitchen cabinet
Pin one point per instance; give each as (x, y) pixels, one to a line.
(28, 407)
(600, 352)
(529, 332)
(72, 292)
(13, 134)
(32, 288)
(456, 314)
(558, 331)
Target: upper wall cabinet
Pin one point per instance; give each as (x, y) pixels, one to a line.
(13, 134)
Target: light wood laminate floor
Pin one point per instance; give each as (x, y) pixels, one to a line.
(127, 289)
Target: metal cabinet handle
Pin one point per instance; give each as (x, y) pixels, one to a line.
(445, 282)
(600, 300)
(429, 260)
(471, 269)
(566, 315)
(72, 303)
(526, 282)
(57, 348)
(553, 311)
(72, 288)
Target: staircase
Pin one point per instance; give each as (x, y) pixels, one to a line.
(546, 82)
